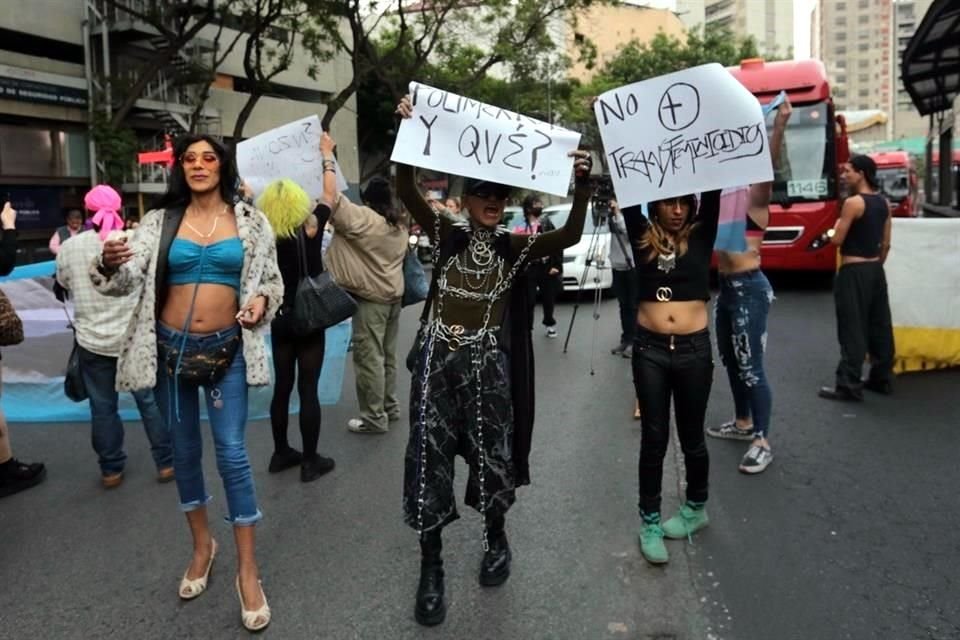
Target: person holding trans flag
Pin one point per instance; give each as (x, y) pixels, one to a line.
(744, 303)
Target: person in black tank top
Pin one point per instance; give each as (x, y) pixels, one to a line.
(864, 326)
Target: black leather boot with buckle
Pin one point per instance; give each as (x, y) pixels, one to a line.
(495, 566)
(431, 609)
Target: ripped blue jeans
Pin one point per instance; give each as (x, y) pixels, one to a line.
(227, 409)
(741, 320)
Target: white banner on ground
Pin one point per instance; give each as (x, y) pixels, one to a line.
(289, 151)
(684, 132)
(466, 137)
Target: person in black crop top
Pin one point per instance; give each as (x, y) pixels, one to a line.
(672, 356)
(297, 358)
(863, 307)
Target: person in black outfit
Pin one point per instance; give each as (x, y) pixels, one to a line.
(672, 356)
(544, 274)
(15, 476)
(298, 358)
(863, 307)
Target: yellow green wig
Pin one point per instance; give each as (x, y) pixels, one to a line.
(286, 206)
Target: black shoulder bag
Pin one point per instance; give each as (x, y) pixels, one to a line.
(320, 302)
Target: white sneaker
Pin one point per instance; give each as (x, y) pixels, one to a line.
(551, 332)
(756, 459)
(356, 425)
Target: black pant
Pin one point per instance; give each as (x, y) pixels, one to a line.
(538, 277)
(863, 324)
(625, 287)
(680, 367)
(296, 359)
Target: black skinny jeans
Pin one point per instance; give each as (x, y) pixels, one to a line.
(296, 359)
(678, 367)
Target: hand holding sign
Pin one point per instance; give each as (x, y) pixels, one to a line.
(290, 151)
(662, 141)
(447, 132)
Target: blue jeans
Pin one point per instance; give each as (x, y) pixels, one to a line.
(99, 376)
(227, 410)
(741, 319)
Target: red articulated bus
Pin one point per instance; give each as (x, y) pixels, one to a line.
(805, 200)
(898, 182)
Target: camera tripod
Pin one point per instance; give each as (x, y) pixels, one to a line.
(595, 257)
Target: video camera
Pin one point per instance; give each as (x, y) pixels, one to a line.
(603, 193)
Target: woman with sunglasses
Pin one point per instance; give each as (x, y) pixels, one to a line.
(672, 357)
(472, 390)
(208, 279)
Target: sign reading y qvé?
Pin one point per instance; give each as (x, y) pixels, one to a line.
(684, 132)
(289, 151)
(466, 137)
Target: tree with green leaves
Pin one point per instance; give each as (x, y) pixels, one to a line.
(498, 51)
(638, 61)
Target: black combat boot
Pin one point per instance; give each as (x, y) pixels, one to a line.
(495, 566)
(431, 609)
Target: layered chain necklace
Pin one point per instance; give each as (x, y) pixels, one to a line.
(667, 262)
(216, 219)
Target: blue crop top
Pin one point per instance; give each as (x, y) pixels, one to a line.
(216, 263)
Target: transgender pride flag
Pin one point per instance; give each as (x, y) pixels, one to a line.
(732, 224)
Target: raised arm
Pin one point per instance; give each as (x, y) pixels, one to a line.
(8, 242)
(760, 193)
(569, 234)
(708, 217)
(415, 203)
(327, 146)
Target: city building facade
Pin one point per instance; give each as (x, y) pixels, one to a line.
(50, 67)
(769, 22)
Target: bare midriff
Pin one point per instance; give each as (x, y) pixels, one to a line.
(731, 263)
(673, 318)
(216, 308)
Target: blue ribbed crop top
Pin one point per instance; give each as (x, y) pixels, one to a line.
(216, 263)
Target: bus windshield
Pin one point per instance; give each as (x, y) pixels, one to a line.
(894, 183)
(808, 159)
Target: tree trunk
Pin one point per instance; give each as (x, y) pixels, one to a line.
(337, 102)
(144, 75)
(245, 115)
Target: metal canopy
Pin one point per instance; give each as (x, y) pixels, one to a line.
(931, 62)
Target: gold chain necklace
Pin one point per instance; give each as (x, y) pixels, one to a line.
(216, 219)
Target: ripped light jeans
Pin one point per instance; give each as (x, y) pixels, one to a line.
(227, 409)
(741, 320)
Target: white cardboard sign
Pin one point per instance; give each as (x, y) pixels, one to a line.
(689, 131)
(289, 151)
(466, 137)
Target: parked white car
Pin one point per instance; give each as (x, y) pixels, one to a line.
(594, 243)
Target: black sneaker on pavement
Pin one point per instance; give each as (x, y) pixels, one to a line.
(15, 476)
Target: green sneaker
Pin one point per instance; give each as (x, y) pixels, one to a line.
(686, 523)
(651, 544)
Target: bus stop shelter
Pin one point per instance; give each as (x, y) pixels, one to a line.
(931, 75)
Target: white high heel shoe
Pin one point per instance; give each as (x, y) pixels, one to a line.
(190, 589)
(254, 620)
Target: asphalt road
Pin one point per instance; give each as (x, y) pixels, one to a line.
(849, 534)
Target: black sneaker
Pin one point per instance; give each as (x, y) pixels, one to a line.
(15, 476)
(843, 394)
(313, 468)
(286, 459)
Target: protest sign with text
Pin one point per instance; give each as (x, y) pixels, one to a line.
(458, 135)
(289, 151)
(690, 131)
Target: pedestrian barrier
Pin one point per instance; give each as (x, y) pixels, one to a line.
(33, 370)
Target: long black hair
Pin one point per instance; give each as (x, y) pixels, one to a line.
(379, 197)
(866, 166)
(178, 192)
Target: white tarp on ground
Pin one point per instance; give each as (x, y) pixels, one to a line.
(923, 277)
(33, 370)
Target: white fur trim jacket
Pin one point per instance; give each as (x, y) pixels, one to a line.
(146, 272)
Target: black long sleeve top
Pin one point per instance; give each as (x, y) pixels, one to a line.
(8, 251)
(690, 278)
